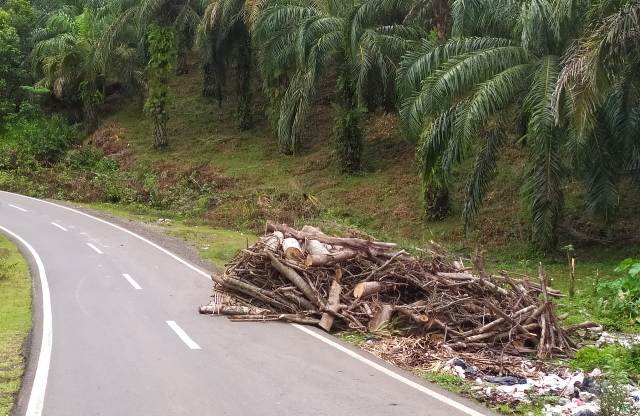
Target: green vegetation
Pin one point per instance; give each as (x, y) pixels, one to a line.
(449, 382)
(621, 362)
(15, 311)
(614, 400)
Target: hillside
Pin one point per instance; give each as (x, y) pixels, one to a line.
(254, 181)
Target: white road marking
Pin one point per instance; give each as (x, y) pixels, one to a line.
(59, 226)
(36, 399)
(131, 233)
(183, 335)
(131, 281)
(94, 248)
(18, 208)
(391, 373)
(447, 400)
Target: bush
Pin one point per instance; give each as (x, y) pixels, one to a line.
(620, 298)
(615, 359)
(43, 139)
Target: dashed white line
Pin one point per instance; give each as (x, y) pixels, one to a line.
(18, 208)
(131, 281)
(94, 248)
(183, 335)
(39, 387)
(59, 226)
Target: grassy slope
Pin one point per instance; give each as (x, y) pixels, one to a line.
(15, 320)
(384, 200)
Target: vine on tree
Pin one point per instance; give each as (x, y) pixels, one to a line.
(163, 55)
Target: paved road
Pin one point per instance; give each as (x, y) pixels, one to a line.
(126, 338)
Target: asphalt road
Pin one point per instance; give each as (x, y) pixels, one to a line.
(122, 336)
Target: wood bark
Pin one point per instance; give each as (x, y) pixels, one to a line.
(291, 248)
(381, 318)
(315, 247)
(356, 243)
(250, 290)
(273, 241)
(329, 259)
(333, 304)
(296, 279)
(364, 289)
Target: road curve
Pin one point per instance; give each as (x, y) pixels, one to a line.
(126, 338)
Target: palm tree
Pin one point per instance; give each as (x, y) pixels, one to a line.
(456, 96)
(601, 78)
(223, 36)
(166, 26)
(74, 60)
(356, 40)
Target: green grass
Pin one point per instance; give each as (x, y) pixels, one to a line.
(449, 382)
(616, 360)
(15, 321)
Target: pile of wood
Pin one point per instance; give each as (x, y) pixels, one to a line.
(307, 277)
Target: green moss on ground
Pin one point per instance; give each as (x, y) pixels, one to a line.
(15, 321)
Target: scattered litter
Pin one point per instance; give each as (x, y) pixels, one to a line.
(625, 340)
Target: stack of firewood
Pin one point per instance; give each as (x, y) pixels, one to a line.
(307, 277)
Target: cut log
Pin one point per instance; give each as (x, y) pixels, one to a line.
(273, 241)
(356, 243)
(381, 318)
(296, 279)
(315, 247)
(301, 302)
(364, 289)
(333, 304)
(251, 290)
(291, 248)
(232, 310)
(329, 259)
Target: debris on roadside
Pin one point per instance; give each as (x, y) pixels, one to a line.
(430, 313)
(624, 340)
(308, 277)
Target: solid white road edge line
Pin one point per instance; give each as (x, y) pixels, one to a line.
(36, 399)
(94, 248)
(131, 281)
(18, 208)
(131, 233)
(59, 226)
(347, 351)
(447, 400)
(183, 335)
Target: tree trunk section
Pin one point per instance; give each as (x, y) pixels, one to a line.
(333, 304)
(296, 279)
(160, 137)
(245, 116)
(90, 117)
(364, 289)
(436, 199)
(382, 318)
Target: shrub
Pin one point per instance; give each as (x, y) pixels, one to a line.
(621, 297)
(44, 139)
(615, 359)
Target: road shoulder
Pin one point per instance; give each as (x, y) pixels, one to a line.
(15, 325)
